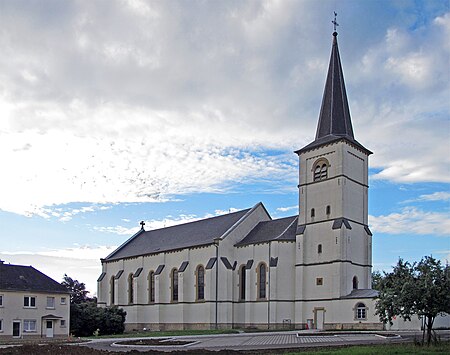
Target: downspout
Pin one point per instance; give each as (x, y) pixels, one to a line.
(216, 244)
(268, 298)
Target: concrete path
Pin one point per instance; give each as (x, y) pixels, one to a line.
(269, 340)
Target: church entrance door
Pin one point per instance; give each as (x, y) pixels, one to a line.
(320, 318)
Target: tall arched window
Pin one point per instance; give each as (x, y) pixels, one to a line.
(319, 248)
(200, 283)
(174, 285)
(361, 311)
(242, 286)
(262, 280)
(151, 287)
(355, 282)
(320, 170)
(111, 290)
(313, 212)
(130, 289)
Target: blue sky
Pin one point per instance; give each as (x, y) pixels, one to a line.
(113, 112)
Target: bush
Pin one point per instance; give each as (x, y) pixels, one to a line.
(86, 319)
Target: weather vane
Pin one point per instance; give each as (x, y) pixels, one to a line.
(334, 22)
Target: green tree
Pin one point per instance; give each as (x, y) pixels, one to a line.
(377, 277)
(78, 292)
(421, 289)
(86, 318)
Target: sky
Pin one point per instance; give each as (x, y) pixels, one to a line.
(113, 112)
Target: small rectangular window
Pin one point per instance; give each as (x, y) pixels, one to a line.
(50, 302)
(1, 300)
(319, 281)
(29, 301)
(63, 323)
(1, 325)
(29, 325)
(63, 300)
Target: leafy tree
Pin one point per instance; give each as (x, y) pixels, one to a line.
(421, 289)
(377, 277)
(78, 292)
(86, 318)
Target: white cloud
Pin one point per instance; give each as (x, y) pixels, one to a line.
(286, 209)
(162, 223)
(79, 262)
(435, 196)
(160, 99)
(412, 221)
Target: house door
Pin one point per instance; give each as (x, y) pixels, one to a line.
(16, 329)
(320, 318)
(49, 329)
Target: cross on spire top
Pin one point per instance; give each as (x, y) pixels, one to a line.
(334, 22)
(142, 223)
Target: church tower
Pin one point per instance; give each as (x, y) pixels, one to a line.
(334, 243)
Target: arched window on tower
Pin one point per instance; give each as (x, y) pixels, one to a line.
(151, 287)
(130, 289)
(200, 283)
(320, 170)
(111, 289)
(319, 248)
(313, 212)
(174, 285)
(355, 282)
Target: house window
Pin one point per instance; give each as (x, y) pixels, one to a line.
(151, 287)
(319, 248)
(50, 302)
(313, 212)
(174, 285)
(320, 170)
(111, 290)
(262, 280)
(29, 302)
(355, 282)
(319, 281)
(200, 282)
(29, 325)
(63, 300)
(63, 323)
(130, 289)
(328, 209)
(361, 311)
(1, 300)
(242, 274)
(1, 325)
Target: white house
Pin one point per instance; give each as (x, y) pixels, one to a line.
(245, 269)
(32, 304)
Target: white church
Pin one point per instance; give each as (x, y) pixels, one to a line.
(245, 269)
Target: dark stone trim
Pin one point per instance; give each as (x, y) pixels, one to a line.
(119, 273)
(159, 269)
(249, 264)
(138, 272)
(273, 262)
(226, 262)
(210, 263)
(366, 228)
(333, 262)
(183, 266)
(332, 178)
(101, 277)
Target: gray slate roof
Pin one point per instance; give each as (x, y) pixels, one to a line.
(334, 118)
(202, 232)
(283, 229)
(27, 278)
(362, 293)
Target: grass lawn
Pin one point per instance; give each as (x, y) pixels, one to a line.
(388, 349)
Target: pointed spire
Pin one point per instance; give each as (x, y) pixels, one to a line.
(334, 118)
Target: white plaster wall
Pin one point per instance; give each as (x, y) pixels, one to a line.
(13, 310)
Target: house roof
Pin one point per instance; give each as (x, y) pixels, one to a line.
(362, 293)
(334, 118)
(27, 278)
(202, 232)
(282, 229)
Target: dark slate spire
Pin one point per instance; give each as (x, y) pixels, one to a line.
(334, 118)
